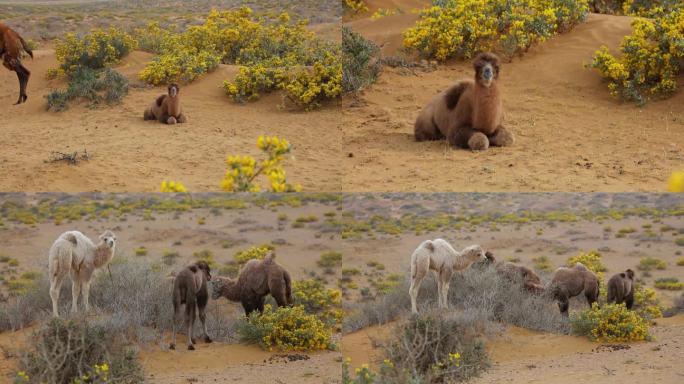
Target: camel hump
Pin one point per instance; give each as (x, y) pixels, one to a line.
(70, 237)
(430, 246)
(160, 100)
(453, 94)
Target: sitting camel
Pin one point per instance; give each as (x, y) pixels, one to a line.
(517, 273)
(570, 282)
(190, 289)
(257, 279)
(439, 256)
(75, 254)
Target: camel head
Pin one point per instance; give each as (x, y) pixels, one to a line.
(486, 67)
(474, 253)
(204, 267)
(173, 90)
(490, 257)
(108, 238)
(630, 274)
(218, 285)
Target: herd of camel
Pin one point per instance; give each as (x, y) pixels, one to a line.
(567, 282)
(468, 114)
(76, 255)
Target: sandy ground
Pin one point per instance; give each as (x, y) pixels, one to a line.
(298, 250)
(571, 135)
(132, 155)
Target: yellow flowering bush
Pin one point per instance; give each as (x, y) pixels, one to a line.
(650, 61)
(669, 283)
(592, 260)
(650, 8)
(98, 374)
(286, 328)
(646, 302)
(172, 186)
(610, 323)
(316, 298)
(256, 252)
(461, 28)
(355, 6)
(96, 50)
(243, 170)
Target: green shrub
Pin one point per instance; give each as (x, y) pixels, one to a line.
(610, 323)
(98, 87)
(650, 263)
(255, 252)
(669, 283)
(360, 61)
(542, 263)
(141, 251)
(330, 259)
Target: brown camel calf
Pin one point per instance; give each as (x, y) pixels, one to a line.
(190, 289)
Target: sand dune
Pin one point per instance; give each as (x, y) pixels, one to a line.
(572, 136)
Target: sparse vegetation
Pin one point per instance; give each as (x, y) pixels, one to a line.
(361, 61)
(651, 263)
(669, 283)
(330, 259)
(542, 263)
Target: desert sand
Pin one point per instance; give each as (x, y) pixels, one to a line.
(571, 135)
(132, 155)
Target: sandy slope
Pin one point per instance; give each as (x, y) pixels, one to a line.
(129, 154)
(572, 136)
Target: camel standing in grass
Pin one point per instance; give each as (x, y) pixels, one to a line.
(570, 282)
(438, 255)
(257, 279)
(74, 253)
(190, 289)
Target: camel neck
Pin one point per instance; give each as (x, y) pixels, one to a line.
(102, 255)
(231, 290)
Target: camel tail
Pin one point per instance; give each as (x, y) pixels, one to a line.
(26, 46)
(288, 288)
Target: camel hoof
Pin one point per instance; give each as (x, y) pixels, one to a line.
(207, 339)
(191, 347)
(478, 142)
(172, 346)
(171, 120)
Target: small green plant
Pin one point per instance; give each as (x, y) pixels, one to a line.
(650, 263)
(669, 283)
(141, 251)
(680, 262)
(361, 61)
(330, 259)
(542, 263)
(170, 257)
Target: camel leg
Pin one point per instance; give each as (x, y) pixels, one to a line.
(203, 319)
(280, 298)
(176, 315)
(629, 300)
(182, 119)
(591, 298)
(467, 137)
(502, 137)
(23, 75)
(190, 323)
(55, 287)
(445, 279)
(75, 293)
(563, 303)
(416, 281)
(86, 295)
(260, 304)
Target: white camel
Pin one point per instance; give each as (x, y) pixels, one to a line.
(438, 255)
(76, 254)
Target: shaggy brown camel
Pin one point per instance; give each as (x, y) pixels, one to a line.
(190, 289)
(570, 282)
(257, 279)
